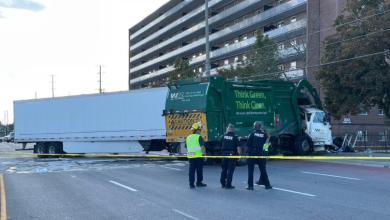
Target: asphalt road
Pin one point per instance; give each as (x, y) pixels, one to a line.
(112, 188)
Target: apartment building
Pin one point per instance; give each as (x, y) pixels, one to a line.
(177, 29)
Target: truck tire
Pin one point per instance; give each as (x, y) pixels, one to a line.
(54, 148)
(302, 146)
(41, 148)
(176, 150)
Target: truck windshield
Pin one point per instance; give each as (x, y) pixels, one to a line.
(319, 117)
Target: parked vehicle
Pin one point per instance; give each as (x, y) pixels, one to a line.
(11, 137)
(117, 122)
(295, 125)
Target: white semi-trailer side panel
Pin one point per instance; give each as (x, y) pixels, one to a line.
(117, 116)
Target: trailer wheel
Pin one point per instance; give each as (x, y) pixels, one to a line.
(302, 146)
(41, 148)
(53, 148)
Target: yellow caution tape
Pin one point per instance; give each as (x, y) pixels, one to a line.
(219, 157)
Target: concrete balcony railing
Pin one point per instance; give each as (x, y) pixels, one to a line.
(272, 34)
(162, 17)
(218, 17)
(173, 24)
(291, 51)
(265, 15)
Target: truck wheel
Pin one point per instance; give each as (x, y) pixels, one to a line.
(176, 150)
(41, 148)
(302, 146)
(53, 148)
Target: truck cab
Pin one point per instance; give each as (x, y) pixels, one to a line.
(317, 127)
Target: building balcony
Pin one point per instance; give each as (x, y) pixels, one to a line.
(243, 7)
(178, 23)
(220, 36)
(228, 51)
(161, 18)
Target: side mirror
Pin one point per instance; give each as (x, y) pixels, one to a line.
(327, 117)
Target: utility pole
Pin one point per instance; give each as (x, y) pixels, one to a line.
(100, 79)
(207, 38)
(52, 85)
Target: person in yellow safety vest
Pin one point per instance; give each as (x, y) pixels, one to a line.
(266, 153)
(195, 148)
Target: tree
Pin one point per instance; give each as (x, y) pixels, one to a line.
(362, 39)
(182, 70)
(260, 63)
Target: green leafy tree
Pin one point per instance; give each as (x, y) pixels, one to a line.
(261, 62)
(362, 39)
(182, 70)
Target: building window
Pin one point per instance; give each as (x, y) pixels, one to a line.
(200, 54)
(226, 62)
(293, 19)
(236, 2)
(280, 46)
(226, 43)
(256, 13)
(281, 67)
(361, 135)
(293, 65)
(280, 24)
(236, 59)
(245, 17)
(380, 112)
(193, 56)
(200, 69)
(225, 8)
(244, 37)
(293, 42)
(236, 21)
(279, 2)
(383, 135)
(226, 26)
(363, 113)
(236, 40)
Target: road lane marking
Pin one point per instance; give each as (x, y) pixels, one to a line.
(189, 216)
(126, 187)
(3, 208)
(172, 168)
(321, 174)
(286, 190)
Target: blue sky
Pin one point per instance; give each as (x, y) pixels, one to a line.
(65, 38)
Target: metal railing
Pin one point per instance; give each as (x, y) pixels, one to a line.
(162, 17)
(375, 142)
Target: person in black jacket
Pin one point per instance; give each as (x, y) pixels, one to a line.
(230, 147)
(255, 147)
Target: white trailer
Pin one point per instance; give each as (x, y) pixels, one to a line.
(117, 122)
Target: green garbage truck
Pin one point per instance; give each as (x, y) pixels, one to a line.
(291, 113)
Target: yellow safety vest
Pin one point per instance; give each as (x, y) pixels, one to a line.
(193, 147)
(265, 146)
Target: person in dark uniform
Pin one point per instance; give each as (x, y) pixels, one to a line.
(266, 153)
(230, 147)
(255, 147)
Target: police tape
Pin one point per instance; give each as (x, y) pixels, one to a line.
(214, 157)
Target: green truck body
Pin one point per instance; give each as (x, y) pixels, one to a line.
(217, 103)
